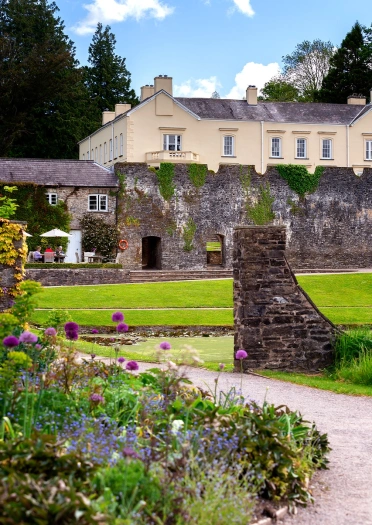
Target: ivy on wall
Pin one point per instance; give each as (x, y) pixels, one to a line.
(261, 212)
(299, 179)
(10, 255)
(33, 208)
(188, 235)
(98, 236)
(165, 176)
(197, 174)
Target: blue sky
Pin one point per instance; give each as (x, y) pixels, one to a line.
(209, 44)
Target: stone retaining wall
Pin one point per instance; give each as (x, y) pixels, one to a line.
(275, 322)
(71, 277)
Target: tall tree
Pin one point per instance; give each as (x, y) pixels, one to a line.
(306, 67)
(41, 88)
(107, 78)
(350, 68)
(279, 90)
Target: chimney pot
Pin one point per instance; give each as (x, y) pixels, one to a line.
(251, 95)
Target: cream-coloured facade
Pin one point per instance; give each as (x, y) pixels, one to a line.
(163, 128)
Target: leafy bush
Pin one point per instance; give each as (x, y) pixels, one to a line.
(58, 318)
(98, 236)
(353, 356)
(299, 179)
(165, 176)
(261, 212)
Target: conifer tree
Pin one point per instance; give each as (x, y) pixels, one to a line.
(350, 68)
(107, 78)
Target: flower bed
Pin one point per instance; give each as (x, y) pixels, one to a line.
(99, 443)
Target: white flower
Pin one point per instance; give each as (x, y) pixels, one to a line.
(177, 425)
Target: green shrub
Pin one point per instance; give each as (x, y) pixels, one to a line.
(261, 212)
(165, 176)
(188, 234)
(58, 318)
(353, 356)
(197, 174)
(98, 236)
(299, 179)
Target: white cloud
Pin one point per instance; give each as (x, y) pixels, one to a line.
(244, 6)
(253, 74)
(201, 87)
(111, 11)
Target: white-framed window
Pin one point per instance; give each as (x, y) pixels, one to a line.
(301, 148)
(276, 147)
(368, 149)
(105, 152)
(96, 154)
(100, 154)
(97, 202)
(121, 145)
(52, 198)
(228, 146)
(326, 149)
(172, 142)
(116, 147)
(111, 152)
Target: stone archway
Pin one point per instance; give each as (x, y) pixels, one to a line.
(216, 251)
(151, 253)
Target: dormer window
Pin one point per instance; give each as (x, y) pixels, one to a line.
(172, 142)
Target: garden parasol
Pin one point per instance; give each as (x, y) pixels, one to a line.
(55, 233)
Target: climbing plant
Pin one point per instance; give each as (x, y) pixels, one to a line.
(98, 236)
(299, 179)
(197, 174)
(165, 176)
(8, 205)
(261, 211)
(10, 255)
(245, 180)
(188, 234)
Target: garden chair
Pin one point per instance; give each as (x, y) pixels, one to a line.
(49, 257)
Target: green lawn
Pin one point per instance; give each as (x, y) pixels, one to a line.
(338, 290)
(177, 317)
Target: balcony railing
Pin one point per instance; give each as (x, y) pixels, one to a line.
(154, 157)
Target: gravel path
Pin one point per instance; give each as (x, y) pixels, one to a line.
(344, 492)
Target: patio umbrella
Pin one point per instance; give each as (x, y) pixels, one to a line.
(26, 234)
(55, 233)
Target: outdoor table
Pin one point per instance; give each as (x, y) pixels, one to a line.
(59, 258)
(95, 258)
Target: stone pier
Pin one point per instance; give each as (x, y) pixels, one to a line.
(275, 322)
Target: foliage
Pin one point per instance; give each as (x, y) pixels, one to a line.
(8, 205)
(75, 266)
(107, 78)
(350, 69)
(165, 176)
(261, 211)
(42, 95)
(188, 234)
(25, 302)
(299, 179)
(197, 174)
(98, 235)
(307, 66)
(215, 94)
(278, 89)
(353, 353)
(245, 180)
(33, 208)
(58, 318)
(12, 253)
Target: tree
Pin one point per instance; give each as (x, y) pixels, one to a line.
(42, 97)
(350, 68)
(215, 94)
(279, 90)
(306, 67)
(107, 79)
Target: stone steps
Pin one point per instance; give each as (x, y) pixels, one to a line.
(142, 276)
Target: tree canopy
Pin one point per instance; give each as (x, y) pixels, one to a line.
(279, 90)
(350, 68)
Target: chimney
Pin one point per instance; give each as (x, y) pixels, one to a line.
(107, 116)
(121, 108)
(163, 82)
(147, 91)
(357, 100)
(251, 95)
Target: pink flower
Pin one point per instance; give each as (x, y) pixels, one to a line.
(50, 332)
(11, 341)
(122, 327)
(165, 345)
(132, 365)
(121, 360)
(241, 354)
(27, 338)
(117, 317)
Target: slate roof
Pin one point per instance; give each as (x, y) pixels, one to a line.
(286, 112)
(51, 172)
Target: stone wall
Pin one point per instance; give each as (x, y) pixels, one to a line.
(82, 276)
(330, 228)
(274, 321)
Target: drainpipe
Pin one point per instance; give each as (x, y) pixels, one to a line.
(112, 141)
(89, 149)
(347, 146)
(262, 146)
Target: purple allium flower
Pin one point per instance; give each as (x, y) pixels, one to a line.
(117, 317)
(122, 327)
(132, 365)
(27, 338)
(50, 331)
(71, 326)
(121, 360)
(130, 453)
(10, 341)
(241, 354)
(96, 398)
(221, 366)
(94, 331)
(165, 345)
(38, 347)
(72, 335)
(92, 356)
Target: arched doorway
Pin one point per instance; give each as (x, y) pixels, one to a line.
(151, 253)
(215, 247)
